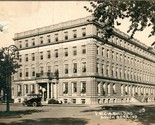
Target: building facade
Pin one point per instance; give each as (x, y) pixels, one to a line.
(71, 62)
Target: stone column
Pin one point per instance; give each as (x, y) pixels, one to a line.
(144, 90)
(111, 89)
(47, 90)
(52, 88)
(79, 89)
(69, 88)
(101, 88)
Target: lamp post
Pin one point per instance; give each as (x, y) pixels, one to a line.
(9, 56)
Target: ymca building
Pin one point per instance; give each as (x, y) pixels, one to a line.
(71, 62)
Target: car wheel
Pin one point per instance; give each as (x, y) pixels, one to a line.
(23, 103)
(34, 104)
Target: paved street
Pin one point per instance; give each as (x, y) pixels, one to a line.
(75, 115)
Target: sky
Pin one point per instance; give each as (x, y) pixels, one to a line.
(19, 16)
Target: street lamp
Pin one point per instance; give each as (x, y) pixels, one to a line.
(9, 56)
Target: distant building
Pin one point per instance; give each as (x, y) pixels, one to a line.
(89, 70)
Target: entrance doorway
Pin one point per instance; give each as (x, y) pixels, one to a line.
(43, 90)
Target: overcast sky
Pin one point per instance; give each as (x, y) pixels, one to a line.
(26, 15)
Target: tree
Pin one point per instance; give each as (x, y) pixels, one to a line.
(8, 65)
(140, 13)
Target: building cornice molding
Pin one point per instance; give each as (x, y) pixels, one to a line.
(87, 76)
(49, 31)
(126, 37)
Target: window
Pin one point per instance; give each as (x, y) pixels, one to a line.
(66, 51)
(102, 51)
(65, 88)
(26, 88)
(20, 44)
(112, 72)
(97, 51)
(116, 56)
(26, 43)
(83, 32)
(20, 58)
(83, 67)
(83, 49)
(56, 69)
(56, 53)
(33, 71)
(117, 72)
(97, 68)
(108, 53)
(32, 88)
(66, 68)
(107, 70)
(41, 40)
(121, 73)
(98, 87)
(48, 38)
(65, 101)
(41, 55)
(19, 90)
(26, 72)
(74, 33)
(74, 67)
(125, 59)
(121, 57)
(83, 87)
(114, 88)
(33, 42)
(20, 73)
(49, 69)
(26, 57)
(83, 101)
(56, 37)
(74, 50)
(74, 101)
(113, 54)
(66, 35)
(74, 87)
(41, 71)
(102, 69)
(49, 54)
(33, 56)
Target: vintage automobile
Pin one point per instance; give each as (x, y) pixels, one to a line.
(32, 100)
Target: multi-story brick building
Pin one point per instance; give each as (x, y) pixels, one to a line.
(90, 70)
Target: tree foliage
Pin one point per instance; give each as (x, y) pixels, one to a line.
(8, 66)
(140, 13)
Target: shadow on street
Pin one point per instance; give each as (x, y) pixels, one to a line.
(50, 121)
(145, 118)
(17, 114)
